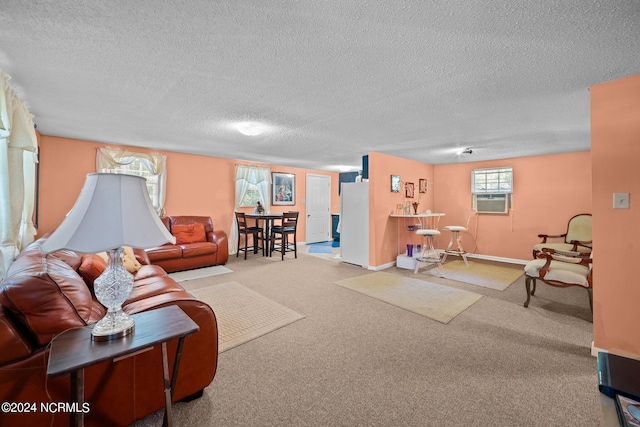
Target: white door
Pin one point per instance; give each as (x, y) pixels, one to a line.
(318, 195)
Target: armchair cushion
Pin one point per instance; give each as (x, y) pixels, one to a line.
(560, 271)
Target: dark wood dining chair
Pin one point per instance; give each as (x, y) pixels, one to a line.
(282, 233)
(246, 230)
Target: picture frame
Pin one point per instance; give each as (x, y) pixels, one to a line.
(409, 190)
(283, 188)
(395, 183)
(422, 185)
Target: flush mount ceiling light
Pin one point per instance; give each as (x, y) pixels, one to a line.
(250, 128)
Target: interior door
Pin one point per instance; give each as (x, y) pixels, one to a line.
(318, 195)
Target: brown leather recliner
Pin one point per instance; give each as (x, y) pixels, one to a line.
(197, 244)
(44, 295)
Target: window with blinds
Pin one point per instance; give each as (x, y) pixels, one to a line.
(492, 189)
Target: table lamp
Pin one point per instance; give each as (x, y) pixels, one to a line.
(112, 211)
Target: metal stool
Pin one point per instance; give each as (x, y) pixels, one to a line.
(429, 253)
(455, 236)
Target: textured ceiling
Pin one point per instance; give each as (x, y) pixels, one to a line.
(334, 79)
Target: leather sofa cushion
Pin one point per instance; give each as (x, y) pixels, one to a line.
(164, 252)
(13, 344)
(198, 249)
(47, 296)
(189, 233)
(148, 270)
(152, 286)
(70, 258)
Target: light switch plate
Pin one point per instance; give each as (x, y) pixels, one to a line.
(621, 200)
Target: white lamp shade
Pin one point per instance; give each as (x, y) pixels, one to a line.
(113, 210)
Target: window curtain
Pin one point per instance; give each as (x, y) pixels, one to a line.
(155, 163)
(246, 175)
(18, 155)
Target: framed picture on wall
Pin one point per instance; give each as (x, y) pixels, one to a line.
(395, 183)
(408, 188)
(283, 188)
(422, 185)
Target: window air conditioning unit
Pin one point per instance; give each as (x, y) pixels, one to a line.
(492, 203)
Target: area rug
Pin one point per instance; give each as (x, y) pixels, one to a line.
(199, 273)
(486, 275)
(243, 314)
(320, 249)
(332, 243)
(437, 302)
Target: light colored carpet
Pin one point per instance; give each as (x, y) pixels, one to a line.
(436, 302)
(199, 273)
(486, 275)
(243, 314)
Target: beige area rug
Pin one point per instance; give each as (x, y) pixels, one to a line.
(199, 273)
(486, 275)
(436, 302)
(243, 314)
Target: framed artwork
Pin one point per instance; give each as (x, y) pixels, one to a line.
(283, 188)
(422, 185)
(408, 188)
(395, 183)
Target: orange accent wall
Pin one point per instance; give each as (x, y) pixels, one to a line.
(547, 191)
(196, 185)
(384, 244)
(615, 147)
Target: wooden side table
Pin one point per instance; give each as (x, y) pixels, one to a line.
(73, 350)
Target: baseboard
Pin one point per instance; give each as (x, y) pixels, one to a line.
(485, 257)
(595, 350)
(381, 267)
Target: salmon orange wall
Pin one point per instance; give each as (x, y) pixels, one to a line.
(384, 243)
(615, 147)
(547, 191)
(196, 185)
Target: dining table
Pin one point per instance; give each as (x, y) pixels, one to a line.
(268, 219)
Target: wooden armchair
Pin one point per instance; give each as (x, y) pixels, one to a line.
(577, 238)
(560, 269)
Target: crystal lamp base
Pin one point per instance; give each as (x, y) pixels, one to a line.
(112, 288)
(112, 326)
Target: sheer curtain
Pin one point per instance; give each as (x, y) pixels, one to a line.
(156, 164)
(18, 155)
(246, 175)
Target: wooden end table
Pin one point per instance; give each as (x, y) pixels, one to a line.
(73, 350)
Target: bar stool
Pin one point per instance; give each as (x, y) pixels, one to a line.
(455, 237)
(429, 253)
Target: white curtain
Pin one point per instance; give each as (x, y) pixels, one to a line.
(154, 163)
(246, 175)
(18, 154)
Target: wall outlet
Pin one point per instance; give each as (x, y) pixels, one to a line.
(621, 200)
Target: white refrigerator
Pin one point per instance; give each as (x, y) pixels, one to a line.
(354, 223)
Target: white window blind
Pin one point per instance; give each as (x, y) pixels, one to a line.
(492, 181)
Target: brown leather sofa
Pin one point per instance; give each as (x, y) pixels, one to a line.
(44, 295)
(197, 244)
